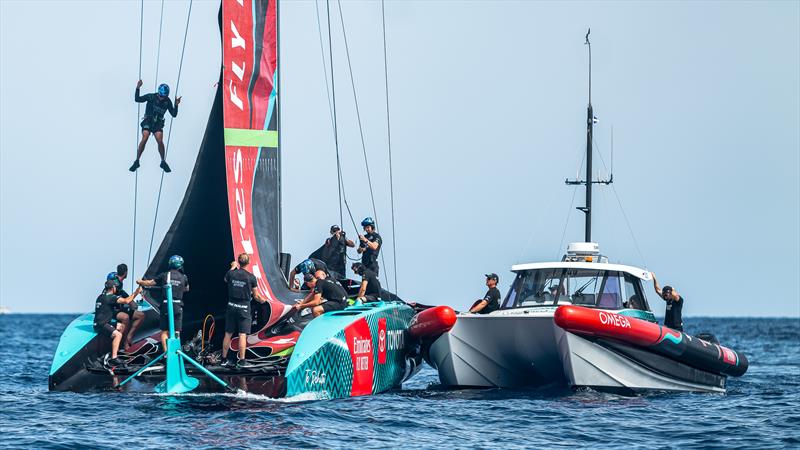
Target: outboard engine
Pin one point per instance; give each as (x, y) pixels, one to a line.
(708, 337)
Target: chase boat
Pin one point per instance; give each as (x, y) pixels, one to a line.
(581, 321)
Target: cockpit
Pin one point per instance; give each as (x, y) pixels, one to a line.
(584, 286)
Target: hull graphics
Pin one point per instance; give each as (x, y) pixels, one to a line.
(360, 350)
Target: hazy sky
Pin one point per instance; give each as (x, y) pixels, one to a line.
(487, 105)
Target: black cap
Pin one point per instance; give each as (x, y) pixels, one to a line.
(308, 277)
(335, 228)
(492, 276)
(666, 290)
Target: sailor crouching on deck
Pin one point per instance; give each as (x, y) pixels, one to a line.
(370, 289)
(242, 285)
(309, 267)
(104, 309)
(128, 313)
(326, 295)
(180, 285)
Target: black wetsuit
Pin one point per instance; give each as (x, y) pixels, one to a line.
(104, 312)
(333, 293)
(370, 257)
(673, 315)
(157, 106)
(180, 284)
(492, 298)
(127, 308)
(238, 316)
(373, 291)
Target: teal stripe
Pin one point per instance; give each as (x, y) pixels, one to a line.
(240, 137)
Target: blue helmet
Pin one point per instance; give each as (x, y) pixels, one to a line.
(368, 221)
(163, 90)
(111, 276)
(175, 262)
(307, 266)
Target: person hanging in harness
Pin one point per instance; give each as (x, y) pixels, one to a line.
(309, 266)
(242, 286)
(673, 317)
(180, 285)
(491, 301)
(334, 251)
(326, 295)
(158, 103)
(104, 311)
(370, 245)
(128, 313)
(370, 289)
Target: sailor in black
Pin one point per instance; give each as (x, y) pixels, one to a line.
(158, 103)
(310, 265)
(673, 314)
(128, 313)
(242, 286)
(104, 311)
(370, 289)
(180, 285)
(327, 295)
(334, 252)
(370, 245)
(491, 301)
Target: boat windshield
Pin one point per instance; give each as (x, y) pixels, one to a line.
(595, 288)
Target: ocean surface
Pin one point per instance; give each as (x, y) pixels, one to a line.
(760, 410)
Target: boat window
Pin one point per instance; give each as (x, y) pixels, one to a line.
(635, 294)
(535, 288)
(594, 288)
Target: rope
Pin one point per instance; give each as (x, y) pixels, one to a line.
(158, 53)
(136, 152)
(389, 142)
(360, 131)
(569, 212)
(169, 133)
(339, 182)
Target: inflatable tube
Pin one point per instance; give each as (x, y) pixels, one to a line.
(652, 336)
(432, 322)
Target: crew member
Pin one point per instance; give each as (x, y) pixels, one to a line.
(335, 250)
(673, 314)
(370, 289)
(158, 103)
(104, 308)
(180, 285)
(242, 286)
(327, 295)
(128, 313)
(310, 265)
(370, 245)
(491, 301)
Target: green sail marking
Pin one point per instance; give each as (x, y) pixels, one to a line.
(240, 137)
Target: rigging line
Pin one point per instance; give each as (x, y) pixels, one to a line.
(332, 99)
(389, 142)
(136, 151)
(158, 53)
(169, 133)
(360, 130)
(566, 223)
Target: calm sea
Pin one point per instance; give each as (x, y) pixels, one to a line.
(760, 410)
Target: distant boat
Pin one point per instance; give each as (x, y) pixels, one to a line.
(4, 310)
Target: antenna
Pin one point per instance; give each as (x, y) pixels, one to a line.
(590, 121)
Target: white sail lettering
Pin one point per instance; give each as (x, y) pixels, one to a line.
(237, 40)
(235, 98)
(238, 71)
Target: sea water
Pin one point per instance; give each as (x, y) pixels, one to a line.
(760, 410)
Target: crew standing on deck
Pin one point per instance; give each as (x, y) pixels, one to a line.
(242, 286)
(370, 245)
(180, 285)
(326, 295)
(104, 308)
(158, 103)
(370, 289)
(673, 316)
(334, 252)
(491, 301)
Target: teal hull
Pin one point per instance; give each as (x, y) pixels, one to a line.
(361, 350)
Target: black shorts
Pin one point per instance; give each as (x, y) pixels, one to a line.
(238, 320)
(152, 125)
(105, 329)
(332, 306)
(164, 319)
